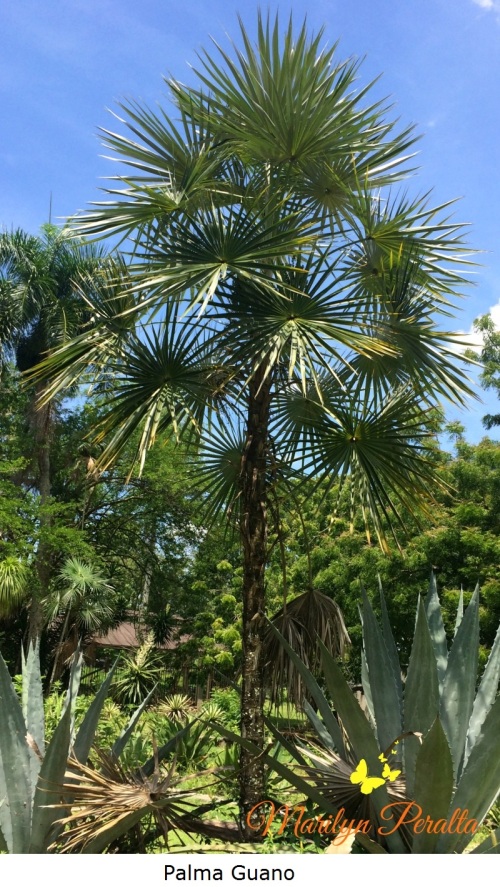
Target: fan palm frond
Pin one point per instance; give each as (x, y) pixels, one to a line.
(332, 775)
(108, 802)
(14, 584)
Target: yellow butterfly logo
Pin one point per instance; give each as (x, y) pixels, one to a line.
(389, 774)
(360, 777)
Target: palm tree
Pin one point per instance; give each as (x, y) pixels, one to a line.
(41, 283)
(285, 302)
(80, 604)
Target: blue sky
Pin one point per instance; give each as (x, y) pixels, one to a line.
(65, 62)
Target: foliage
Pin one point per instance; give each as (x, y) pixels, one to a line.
(43, 281)
(489, 357)
(14, 576)
(28, 764)
(229, 701)
(138, 674)
(212, 607)
(45, 782)
(177, 706)
(140, 538)
(297, 262)
(462, 544)
(434, 729)
(280, 311)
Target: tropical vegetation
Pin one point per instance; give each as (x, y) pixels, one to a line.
(430, 741)
(279, 312)
(272, 322)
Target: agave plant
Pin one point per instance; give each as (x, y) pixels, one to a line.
(177, 706)
(31, 770)
(420, 761)
(430, 741)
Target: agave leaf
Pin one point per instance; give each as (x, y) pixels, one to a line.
(459, 682)
(433, 783)
(480, 781)
(485, 696)
(355, 723)
(51, 777)
(308, 789)
(361, 737)
(318, 725)
(317, 694)
(460, 612)
(32, 702)
(289, 746)
(148, 768)
(367, 691)
(3, 842)
(421, 692)
(436, 628)
(391, 646)
(15, 784)
(383, 687)
(490, 845)
(85, 736)
(126, 733)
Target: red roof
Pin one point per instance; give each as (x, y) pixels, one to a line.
(125, 636)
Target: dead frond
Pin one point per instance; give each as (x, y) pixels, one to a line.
(310, 617)
(107, 803)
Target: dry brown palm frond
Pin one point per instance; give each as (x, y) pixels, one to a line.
(310, 617)
(107, 803)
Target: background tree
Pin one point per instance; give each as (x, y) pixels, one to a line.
(284, 302)
(489, 357)
(41, 279)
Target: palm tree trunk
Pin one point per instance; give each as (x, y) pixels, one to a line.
(254, 541)
(59, 648)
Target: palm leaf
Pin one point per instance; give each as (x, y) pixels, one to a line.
(309, 617)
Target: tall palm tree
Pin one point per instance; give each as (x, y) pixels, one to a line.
(285, 301)
(41, 283)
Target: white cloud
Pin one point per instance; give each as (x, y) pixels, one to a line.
(470, 339)
(473, 339)
(488, 5)
(495, 314)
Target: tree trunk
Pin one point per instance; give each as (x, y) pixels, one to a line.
(42, 426)
(254, 541)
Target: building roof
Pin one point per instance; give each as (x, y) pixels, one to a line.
(125, 636)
